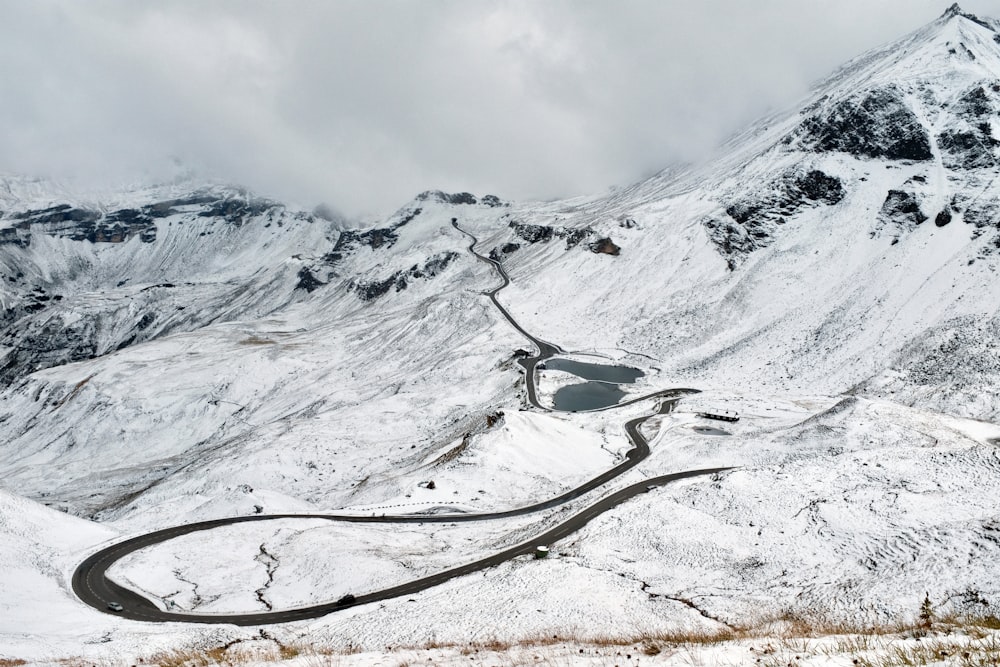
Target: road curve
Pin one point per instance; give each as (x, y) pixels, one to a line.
(91, 584)
(545, 348)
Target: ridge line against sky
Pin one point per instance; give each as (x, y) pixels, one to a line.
(363, 104)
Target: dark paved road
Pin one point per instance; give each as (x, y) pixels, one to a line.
(91, 584)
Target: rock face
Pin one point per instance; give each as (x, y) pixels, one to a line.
(753, 218)
(498, 254)
(544, 233)
(66, 300)
(461, 198)
(173, 260)
(969, 142)
(79, 224)
(604, 246)
(902, 209)
(875, 124)
(399, 280)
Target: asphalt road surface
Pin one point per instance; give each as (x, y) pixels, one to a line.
(92, 586)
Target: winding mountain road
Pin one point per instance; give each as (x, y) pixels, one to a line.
(92, 585)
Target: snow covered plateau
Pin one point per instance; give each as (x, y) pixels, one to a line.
(193, 351)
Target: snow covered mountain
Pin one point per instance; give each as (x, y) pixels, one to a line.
(844, 244)
(191, 351)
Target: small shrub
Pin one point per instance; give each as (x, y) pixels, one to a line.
(926, 612)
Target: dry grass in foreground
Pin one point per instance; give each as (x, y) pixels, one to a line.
(780, 641)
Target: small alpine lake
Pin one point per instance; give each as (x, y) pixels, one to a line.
(595, 372)
(601, 390)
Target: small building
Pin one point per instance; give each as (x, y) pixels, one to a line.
(725, 416)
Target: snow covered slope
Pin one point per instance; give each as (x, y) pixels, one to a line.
(193, 351)
(818, 252)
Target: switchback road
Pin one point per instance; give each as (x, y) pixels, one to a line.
(92, 585)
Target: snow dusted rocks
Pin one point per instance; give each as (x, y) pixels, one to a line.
(85, 278)
(752, 220)
(875, 124)
(292, 362)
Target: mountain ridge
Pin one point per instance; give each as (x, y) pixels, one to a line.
(832, 277)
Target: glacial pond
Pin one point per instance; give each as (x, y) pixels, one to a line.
(602, 389)
(596, 372)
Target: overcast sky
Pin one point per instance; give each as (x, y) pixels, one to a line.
(362, 104)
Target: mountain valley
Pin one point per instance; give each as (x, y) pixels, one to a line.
(192, 351)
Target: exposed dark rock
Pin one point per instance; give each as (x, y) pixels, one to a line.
(493, 201)
(349, 240)
(532, 233)
(56, 214)
(573, 236)
(544, 233)
(969, 149)
(815, 186)
(307, 280)
(497, 254)
(983, 213)
(457, 198)
(975, 104)
(408, 217)
(379, 237)
(877, 124)
(236, 211)
(165, 209)
(400, 280)
(955, 10)
(604, 246)
(755, 218)
(145, 321)
(902, 209)
(942, 218)
(81, 225)
(15, 236)
(731, 239)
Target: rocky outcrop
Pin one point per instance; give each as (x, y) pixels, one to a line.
(544, 233)
(874, 124)
(45, 322)
(970, 143)
(902, 209)
(461, 199)
(381, 237)
(751, 221)
(119, 226)
(307, 281)
(79, 224)
(400, 280)
(604, 246)
(498, 254)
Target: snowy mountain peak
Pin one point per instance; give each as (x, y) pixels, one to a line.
(955, 11)
(909, 127)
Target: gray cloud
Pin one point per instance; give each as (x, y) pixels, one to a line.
(362, 104)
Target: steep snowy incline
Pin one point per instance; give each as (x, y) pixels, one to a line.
(84, 278)
(296, 402)
(815, 253)
(833, 268)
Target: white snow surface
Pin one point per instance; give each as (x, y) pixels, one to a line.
(862, 355)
